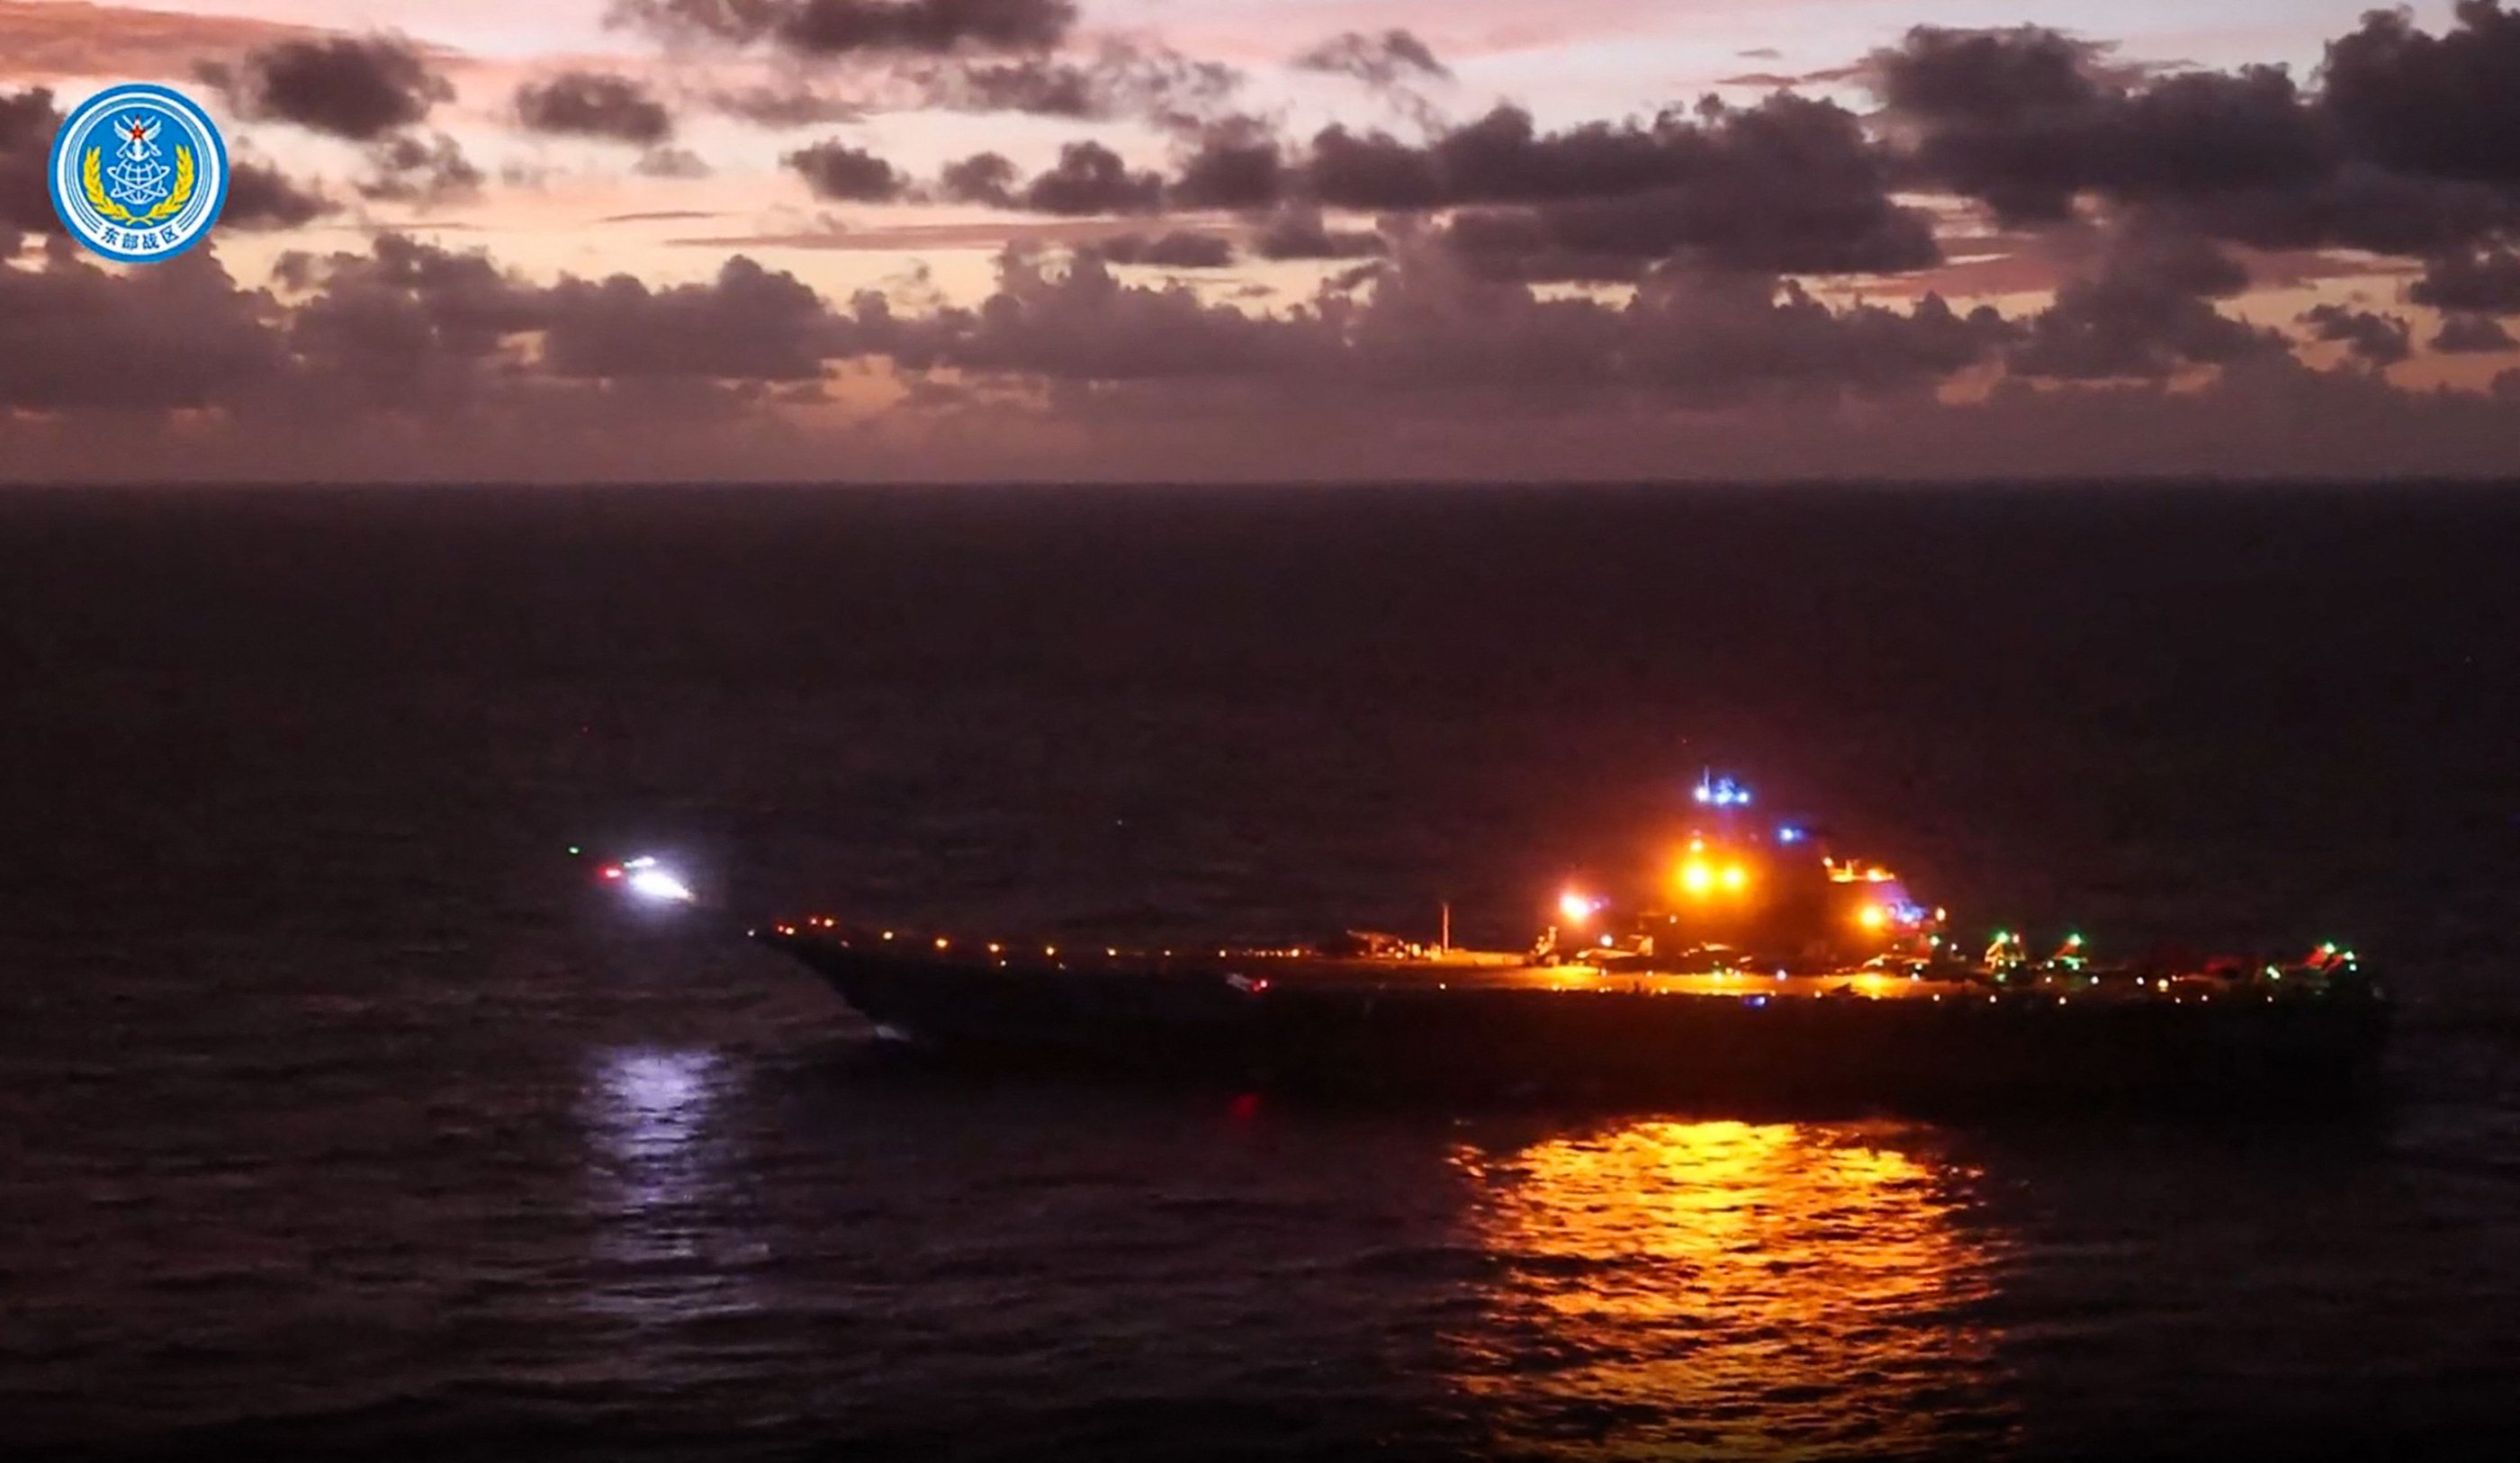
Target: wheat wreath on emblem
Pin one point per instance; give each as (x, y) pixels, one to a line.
(93, 175)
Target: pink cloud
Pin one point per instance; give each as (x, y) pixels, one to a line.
(1260, 34)
(44, 39)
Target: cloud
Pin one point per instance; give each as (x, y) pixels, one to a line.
(750, 324)
(671, 163)
(831, 27)
(1118, 77)
(1519, 244)
(413, 327)
(1684, 339)
(1939, 74)
(2376, 340)
(410, 169)
(410, 327)
(1091, 178)
(2397, 151)
(2032, 121)
(176, 335)
(407, 327)
(1789, 185)
(2473, 335)
(355, 87)
(1300, 233)
(2358, 206)
(262, 196)
(1374, 170)
(890, 237)
(836, 170)
(259, 195)
(1378, 60)
(1235, 165)
(594, 104)
(1715, 247)
(47, 39)
(1724, 340)
(1178, 250)
(1787, 80)
(985, 178)
(2028, 118)
(2476, 282)
(462, 366)
(2144, 316)
(1395, 65)
(2444, 106)
(29, 123)
(1084, 326)
(790, 103)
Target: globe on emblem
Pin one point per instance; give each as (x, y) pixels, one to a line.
(139, 173)
(140, 179)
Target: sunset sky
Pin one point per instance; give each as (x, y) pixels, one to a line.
(1205, 240)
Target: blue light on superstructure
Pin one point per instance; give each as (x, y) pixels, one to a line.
(1720, 792)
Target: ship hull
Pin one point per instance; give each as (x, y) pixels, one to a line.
(1418, 1037)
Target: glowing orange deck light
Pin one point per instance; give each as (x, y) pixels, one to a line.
(1870, 916)
(1735, 877)
(1697, 876)
(1574, 908)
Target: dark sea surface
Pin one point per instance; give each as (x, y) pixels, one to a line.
(337, 1116)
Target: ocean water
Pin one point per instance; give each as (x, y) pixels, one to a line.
(337, 1116)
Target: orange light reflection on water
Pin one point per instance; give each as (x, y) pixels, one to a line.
(1732, 1288)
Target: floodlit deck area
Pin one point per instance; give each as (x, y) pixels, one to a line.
(1297, 969)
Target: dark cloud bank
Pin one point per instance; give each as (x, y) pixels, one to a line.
(2406, 145)
(360, 88)
(833, 28)
(594, 104)
(411, 360)
(1444, 344)
(376, 90)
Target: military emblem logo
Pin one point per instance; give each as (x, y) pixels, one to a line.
(139, 173)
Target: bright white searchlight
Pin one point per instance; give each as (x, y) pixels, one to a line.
(644, 877)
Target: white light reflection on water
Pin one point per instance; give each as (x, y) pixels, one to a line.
(661, 1193)
(1732, 1289)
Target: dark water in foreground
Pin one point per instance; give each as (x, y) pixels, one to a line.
(333, 1116)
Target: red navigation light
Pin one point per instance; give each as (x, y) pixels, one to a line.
(613, 870)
